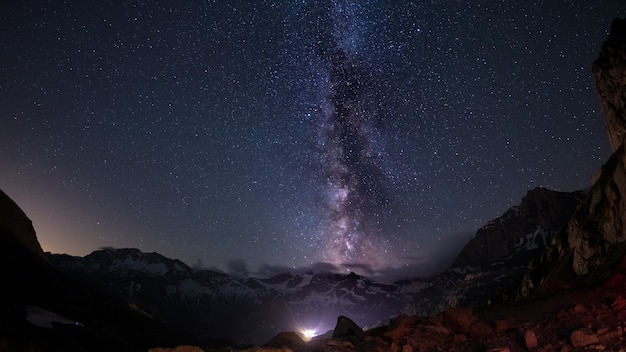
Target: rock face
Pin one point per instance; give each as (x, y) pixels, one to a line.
(596, 232)
(498, 256)
(610, 72)
(530, 225)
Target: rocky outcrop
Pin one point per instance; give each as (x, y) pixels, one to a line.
(17, 226)
(594, 240)
(596, 232)
(493, 264)
(346, 328)
(530, 225)
(289, 340)
(610, 72)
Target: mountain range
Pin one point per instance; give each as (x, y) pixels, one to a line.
(253, 310)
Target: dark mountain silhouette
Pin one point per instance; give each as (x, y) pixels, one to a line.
(83, 317)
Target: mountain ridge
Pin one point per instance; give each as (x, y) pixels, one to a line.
(180, 294)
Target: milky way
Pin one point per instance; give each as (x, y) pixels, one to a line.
(356, 199)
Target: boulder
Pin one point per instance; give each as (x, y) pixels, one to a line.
(583, 337)
(505, 325)
(346, 328)
(289, 340)
(459, 320)
(530, 339)
(480, 330)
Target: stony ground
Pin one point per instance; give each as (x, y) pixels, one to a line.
(584, 320)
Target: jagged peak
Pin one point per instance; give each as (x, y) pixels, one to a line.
(541, 209)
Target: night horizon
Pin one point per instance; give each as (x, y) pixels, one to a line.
(258, 138)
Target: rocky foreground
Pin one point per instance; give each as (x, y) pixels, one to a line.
(591, 319)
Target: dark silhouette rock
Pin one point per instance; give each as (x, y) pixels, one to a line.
(15, 224)
(32, 287)
(289, 340)
(346, 328)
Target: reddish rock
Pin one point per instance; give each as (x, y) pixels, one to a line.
(398, 327)
(579, 308)
(505, 325)
(530, 339)
(480, 330)
(583, 337)
(619, 304)
(459, 320)
(617, 281)
(458, 339)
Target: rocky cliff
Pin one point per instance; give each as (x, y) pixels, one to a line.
(594, 241)
(531, 224)
(596, 234)
(610, 72)
(17, 227)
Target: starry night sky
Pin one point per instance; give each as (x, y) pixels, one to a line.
(255, 136)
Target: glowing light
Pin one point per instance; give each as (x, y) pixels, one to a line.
(308, 334)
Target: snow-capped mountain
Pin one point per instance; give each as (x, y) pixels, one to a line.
(250, 309)
(488, 270)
